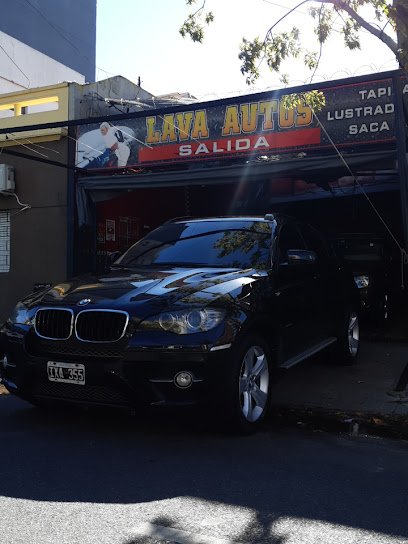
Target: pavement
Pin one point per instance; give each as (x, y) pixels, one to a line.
(70, 477)
(355, 399)
(350, 398)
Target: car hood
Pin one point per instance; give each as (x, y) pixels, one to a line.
(152, 290)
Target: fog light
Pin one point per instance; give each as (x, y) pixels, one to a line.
(183, 379)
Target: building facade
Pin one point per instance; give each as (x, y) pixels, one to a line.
(37, 215)
(43, 42)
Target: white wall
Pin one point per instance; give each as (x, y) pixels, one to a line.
(34, 69)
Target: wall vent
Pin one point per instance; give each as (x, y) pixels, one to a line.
(4, 241)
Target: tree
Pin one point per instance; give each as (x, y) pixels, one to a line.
(276, 47)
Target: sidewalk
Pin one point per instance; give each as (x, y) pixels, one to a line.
(320, 394)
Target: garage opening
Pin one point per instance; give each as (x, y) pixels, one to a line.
(347, 217)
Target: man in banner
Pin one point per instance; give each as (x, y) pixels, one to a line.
(114, 141)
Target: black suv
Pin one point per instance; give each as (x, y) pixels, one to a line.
(198, 311)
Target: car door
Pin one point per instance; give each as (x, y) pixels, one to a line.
(296, 292)
(327, 289)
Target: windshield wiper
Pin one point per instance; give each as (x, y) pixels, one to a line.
(190, 265)
(120, 266)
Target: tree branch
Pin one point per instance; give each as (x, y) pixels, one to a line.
(385, 38)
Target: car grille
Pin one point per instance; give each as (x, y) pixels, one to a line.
(72, 349)
(54, 323)
(101, 325)
(96, 394)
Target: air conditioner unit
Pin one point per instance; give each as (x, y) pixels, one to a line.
(7, 178)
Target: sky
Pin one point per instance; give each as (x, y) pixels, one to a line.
(140, 38)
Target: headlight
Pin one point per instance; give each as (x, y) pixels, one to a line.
(21, 315)
(186, 321)
(362, 281)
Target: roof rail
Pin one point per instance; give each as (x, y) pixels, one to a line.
(179, 218)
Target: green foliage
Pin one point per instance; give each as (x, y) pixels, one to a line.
(274, 52)
(350, 31)
(314, 99)
(193, 25)
(324, 17)
(276, 47)
(254, 242)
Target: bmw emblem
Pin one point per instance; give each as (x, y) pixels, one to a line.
(84, 302)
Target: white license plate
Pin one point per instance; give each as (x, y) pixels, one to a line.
(66, 372)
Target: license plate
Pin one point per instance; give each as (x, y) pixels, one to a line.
(66, 372)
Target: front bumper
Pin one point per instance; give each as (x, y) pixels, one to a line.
(124, 375)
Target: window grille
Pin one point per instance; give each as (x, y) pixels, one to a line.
(4, 241)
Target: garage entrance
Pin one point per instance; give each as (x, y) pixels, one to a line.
(249, 155)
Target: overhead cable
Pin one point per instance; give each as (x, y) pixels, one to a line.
(17, 66)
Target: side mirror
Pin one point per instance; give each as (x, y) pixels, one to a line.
(112, 257)
(301, 256)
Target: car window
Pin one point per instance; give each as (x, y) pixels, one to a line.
(289, 238)
(316, 242)
(233, 245)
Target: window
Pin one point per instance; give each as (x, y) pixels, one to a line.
(289, 238)
(316, 242)
(232, 244)
(4, 241)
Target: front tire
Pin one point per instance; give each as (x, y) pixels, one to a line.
(248, 385)
(347, 346)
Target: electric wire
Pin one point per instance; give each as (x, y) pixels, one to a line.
(18, 142)
(59, 31)
(84, 144)
(178, 129)
(17, 66)
(132, 137)
(403, 252)
(30, 142)
(23, 206)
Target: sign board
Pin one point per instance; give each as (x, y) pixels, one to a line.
(355, 114)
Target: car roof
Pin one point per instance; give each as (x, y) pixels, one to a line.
(243, 218)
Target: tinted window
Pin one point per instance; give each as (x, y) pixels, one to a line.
(315, 242)
(289, 238)
(232, 244)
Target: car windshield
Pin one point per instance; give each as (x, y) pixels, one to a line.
(232, 244)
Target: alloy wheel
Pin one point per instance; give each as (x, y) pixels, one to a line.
(254, 383)
(353, 334)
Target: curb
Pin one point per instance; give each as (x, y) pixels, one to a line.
(353, 423)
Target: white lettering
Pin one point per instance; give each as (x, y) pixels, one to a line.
(185, 150)
(261, 142)
(216, 149)
(365, 128)
(372, 93)
(202, 148)
(242, 144)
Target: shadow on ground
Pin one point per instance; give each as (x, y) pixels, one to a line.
(99, 457)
